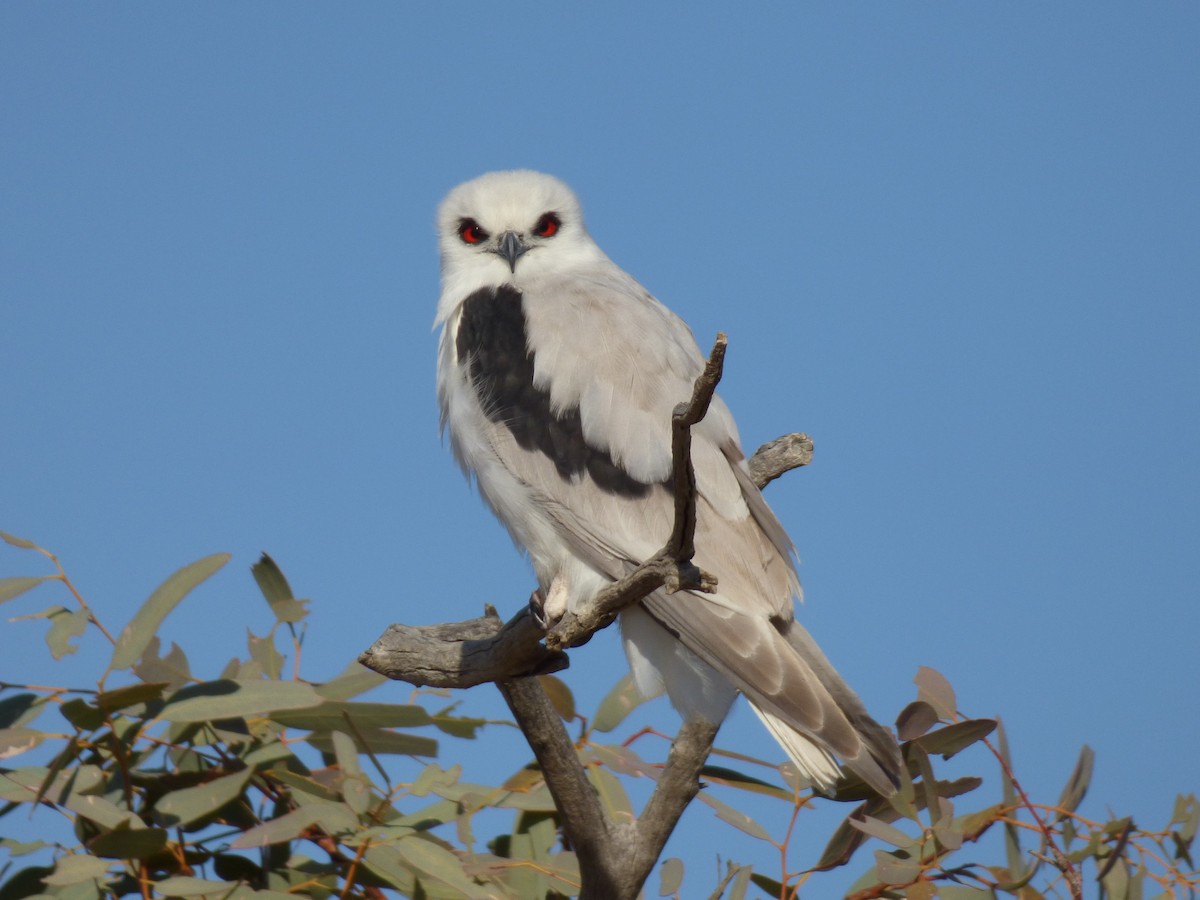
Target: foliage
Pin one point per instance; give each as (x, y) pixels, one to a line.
(260, 783)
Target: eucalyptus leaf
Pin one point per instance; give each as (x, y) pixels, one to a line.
(427, 856)
(15, 541)
(101, 810)
(186, 886)
(64, 626)
(76, 867)
(333, 817)
(11, 588)
(356, 679)
(670, 876)
(915, 719)
(955, 738)
(378, 741)
(227, 699)
(130, 695)
(187, 805)
(136, 636)
(1077, 785)
(129, 843)
(15, 741)
(889, 834)
(264, 652)
(894, 868)
(560, 696)
(277, 591)
(623, 699)
(736, 818)
(934, 689)
(172, 670)
(386, 863)
(332, 715)
(19, 709)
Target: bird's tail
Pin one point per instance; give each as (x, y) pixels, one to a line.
(878, 759)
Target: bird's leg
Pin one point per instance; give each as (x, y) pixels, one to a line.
(549, 608)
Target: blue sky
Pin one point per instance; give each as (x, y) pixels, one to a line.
(957, 244)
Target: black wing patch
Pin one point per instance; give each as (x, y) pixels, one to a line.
(491, 341)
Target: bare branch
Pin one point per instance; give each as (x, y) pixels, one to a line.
(464, 654)
(683, 474)
(781, 455)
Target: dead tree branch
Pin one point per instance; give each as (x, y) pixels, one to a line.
(615, 859)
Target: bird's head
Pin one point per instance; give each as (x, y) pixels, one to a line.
(509, 227)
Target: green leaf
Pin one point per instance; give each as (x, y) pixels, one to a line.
(915, 719)
(356, 679)
(386, 863)
(889, 834)
(560, 696)
(15, 741)
(740, 883)
(100, 810)
(76, 868)
(264, 652)
(136, 636)
(11, 588)
(734, 779)
(1077, 785)
(82, 714)
(612, 794)
(26, 784)
(770, 886)
(309, 787)
(332, 817)
(23, 848)
(737, 819)
(226, 699)
(188, 805)
(17, 709)
(18, 541)
(957, 737)
(619, 703)
(457, 726)
(185, 886)
(129, 843)
(431, 859)
(332, 715)
(934, 689)
(172, 669)
(130, 695)
(377, 741)
(896, 868)
(277, 591)
(356, 787)
(64, 626)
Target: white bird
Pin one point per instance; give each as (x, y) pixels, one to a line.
(557, 377)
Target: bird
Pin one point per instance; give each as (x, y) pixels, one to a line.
(557, 375)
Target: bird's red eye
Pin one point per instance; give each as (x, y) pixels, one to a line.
(471, 232)
(547, 225)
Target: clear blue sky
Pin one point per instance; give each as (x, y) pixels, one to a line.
(957, 244)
